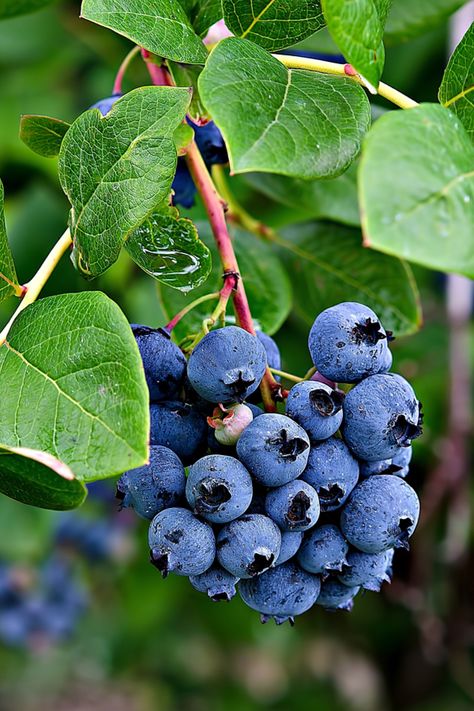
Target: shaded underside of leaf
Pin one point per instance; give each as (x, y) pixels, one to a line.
(457, 88)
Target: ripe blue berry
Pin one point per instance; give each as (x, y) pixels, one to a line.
(281, 593)
(248, 545)
(179, 427)
(316, 407)
(271, 349)
(332, 471)
(274, 449)
(290, 543)
(219, 488)
(323, 550)
(155, 486)
(293, 506)
(381, 414)
(400, 464)
(227, 365)
(180, 543)
(382, 512)
(163, 362)
(380, 467)
(104, 105)
(184, 190)
(210, 143)
(367, 570)
(347, 343)
(216, 582)
(336, 596)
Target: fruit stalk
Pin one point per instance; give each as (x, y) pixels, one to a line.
(122, 70)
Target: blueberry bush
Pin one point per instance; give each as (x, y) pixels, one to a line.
(250, 214)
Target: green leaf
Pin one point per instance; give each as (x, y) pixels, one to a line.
(117, 169)
(266, 283)
(8, 278)
(38, 479)
(161, 26)
(73, 386)
(329, 265)
(407, 19)
(12, 8)
(334, 199)
(275, 120)
(457, 86)
(169, 249)
(43, 134)
(188, 75)
(273, 24)
(203, 13)
(182, 137)
(416, 188)
(357, 28)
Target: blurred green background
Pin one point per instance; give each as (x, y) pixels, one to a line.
(147, 644)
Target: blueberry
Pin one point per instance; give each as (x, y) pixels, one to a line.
(316, 407)
(227, 365)
(210, 143)
(382, 466)
(271, 349)
(323, 550)
(382, 512)
(347, 343)
(179, 427)
(400, 464)
(256, 410)
(248, 545)
(230, 422)
(163, 362)
(332, 471)
(155, 486)
(367, 570)
(281, 593)
(104, 105)
(184, 190)
(219, 488)
(274, 449)
(381, 414)
(180, 543)
(290, 543)
(215, 582)
(293, 506)
(336, 596)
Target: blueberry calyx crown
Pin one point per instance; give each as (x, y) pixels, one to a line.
(239, 384)
(211, 495)
(369, 332)
(403, 431)
(260, 563)
(290, 447)
(327, 404)
(296, 514)
(160, 561)
(331, 495)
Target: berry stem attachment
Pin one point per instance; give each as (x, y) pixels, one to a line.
(117, 89)
(33, 288)
(181, 314)
(287, 376)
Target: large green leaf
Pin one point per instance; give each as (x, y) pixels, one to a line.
(266, 282)
(407, 19)
(168, 247)
(117, 169)
(457, 87)
(43, 134)
(329, 265)
(273, 24)
(161, 26)
(8, 278)
(72, 386)
(38, 479)
(357, 28)
(416, 188)
(334, 199)
(11, 8)
(275, 120)
(188, 75)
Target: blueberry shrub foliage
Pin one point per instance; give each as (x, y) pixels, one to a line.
(229, 95)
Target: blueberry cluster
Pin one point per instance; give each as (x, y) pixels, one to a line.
(291, 509)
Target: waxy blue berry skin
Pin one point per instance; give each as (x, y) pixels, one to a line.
(155, 486)
(227, 365)
(180, 543)
(163, 362)
(216, 582)
(179, 427)
(367, 570)
(210, 143)
(323, 550)
(316, 407)
(293, 506)
(274, 449)
(332, 471)
(256, 410)
(249, 545)
(382, 512)
(370, 468)
(347, 343)
(219, 488)
(336, 596)
(290, 543)
(183, 186)
(281, 593)
(104, 105)
(271, 349)
(400, 464)
(381, 414)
